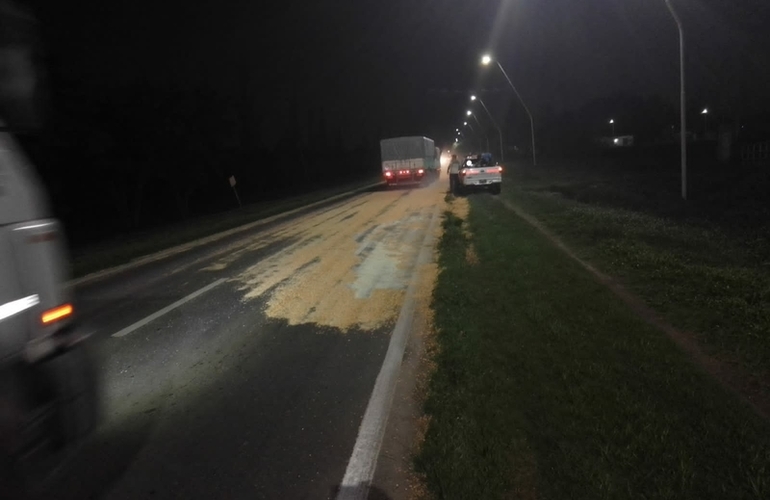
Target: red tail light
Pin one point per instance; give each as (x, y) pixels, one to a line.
(388, 174)
(421, 171)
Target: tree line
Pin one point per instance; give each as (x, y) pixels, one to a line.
(131, 158)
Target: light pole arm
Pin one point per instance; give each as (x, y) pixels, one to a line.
(531, 120)
(481, 127)
(499, 132)
(488, 113)
(514, 89)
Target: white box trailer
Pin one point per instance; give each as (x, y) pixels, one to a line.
(406, 160)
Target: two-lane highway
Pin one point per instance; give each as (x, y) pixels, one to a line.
(242, 367)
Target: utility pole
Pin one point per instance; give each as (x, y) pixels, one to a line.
(499, 132)
(682, 98)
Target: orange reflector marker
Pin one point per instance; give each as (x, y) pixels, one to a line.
(57, 313)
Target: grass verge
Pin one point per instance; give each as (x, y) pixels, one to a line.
(703, 277)
(122, 250)
(547, 386)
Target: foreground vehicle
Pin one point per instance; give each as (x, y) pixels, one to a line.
(480, 172)
(47, 388)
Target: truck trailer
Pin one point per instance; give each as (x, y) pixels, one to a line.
(407, 160)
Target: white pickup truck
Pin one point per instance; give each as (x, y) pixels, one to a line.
(480, 172)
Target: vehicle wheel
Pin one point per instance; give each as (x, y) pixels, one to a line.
(495, 189)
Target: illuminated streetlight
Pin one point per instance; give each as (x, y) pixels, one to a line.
(705, 114)
(612, 122)
(485, 60)
(468, 113)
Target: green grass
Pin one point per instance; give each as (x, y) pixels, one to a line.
(122, 250)
(703, 277)
(548, 386)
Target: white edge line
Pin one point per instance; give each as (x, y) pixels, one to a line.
(170, 252)
(363, 461)
(167, 309)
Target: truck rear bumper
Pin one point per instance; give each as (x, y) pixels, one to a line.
(403, 179)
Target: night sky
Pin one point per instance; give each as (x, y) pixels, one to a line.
(406, 66)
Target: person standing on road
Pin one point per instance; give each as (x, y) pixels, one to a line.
(454, 174)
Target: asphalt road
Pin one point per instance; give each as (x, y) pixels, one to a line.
(242, 367)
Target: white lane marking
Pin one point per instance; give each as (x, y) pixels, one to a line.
(363, 460)
(167, 309)
(17, 306)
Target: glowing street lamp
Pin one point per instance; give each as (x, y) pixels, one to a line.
(705, 114)
(486, 59)
(612, 122)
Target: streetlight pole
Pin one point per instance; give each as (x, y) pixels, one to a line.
(682, 99)
(485, 61)
(612, 122)
(499, 132)
(481, 127)
(473, 131)
(705, 114)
